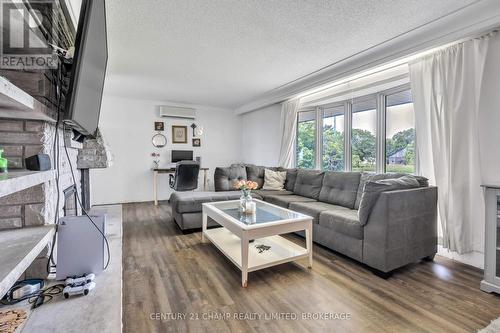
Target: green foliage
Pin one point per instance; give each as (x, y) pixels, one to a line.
(306, 142)
(399, 141)
(333, 149)
(410, 154)
(363, 149)
(400, 168)
(363, 145)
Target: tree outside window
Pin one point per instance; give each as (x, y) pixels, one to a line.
(333, 139)
(363, 136)
(399, 130)
(306, 140)
(400, 133)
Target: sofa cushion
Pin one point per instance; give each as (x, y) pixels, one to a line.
(372, 191)
(191, 202)
(422, 181)
(340, 188)
(265, 193)
(342, 220)
(367, 177)
(224, 178)
(285, 200)
(308, 183)
(274, 180)
(370, 176)
(291, 177)
(256, 174)
(312, 209)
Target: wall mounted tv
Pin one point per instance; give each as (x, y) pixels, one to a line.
(83, 100)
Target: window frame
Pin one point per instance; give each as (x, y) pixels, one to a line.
(383, 96)
(359, 99)
(321, 116)
(296, 155)
(381, 128)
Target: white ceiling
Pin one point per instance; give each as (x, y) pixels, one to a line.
(227, 53)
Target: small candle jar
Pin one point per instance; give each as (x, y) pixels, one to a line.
(251, 207)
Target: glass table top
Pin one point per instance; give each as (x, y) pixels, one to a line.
(264, 213)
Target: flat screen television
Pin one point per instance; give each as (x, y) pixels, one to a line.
(83, 100)
(182, 155)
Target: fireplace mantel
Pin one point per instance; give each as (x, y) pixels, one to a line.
(17, 104)
(16, 181)
(19, 248)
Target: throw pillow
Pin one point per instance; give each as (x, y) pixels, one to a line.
(373, 189)
(274, 180)
(291, 177)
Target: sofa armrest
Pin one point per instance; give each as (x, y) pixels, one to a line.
(402, 228)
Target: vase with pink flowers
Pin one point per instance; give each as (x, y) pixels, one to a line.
(247, 206)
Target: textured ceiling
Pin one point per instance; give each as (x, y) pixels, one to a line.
(226, 53)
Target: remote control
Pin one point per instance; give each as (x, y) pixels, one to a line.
(72, 290)
(80, 279)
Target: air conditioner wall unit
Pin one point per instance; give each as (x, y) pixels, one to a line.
(167, 111)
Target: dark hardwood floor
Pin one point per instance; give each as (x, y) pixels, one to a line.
(168, 273)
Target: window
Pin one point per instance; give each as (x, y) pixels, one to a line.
(306, 140)
(374, 133)
(363, 135)
(400, 133)
(333, 139)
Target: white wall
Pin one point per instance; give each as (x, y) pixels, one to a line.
(128, 125)
(261, 136)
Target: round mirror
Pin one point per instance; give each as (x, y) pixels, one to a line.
(159, 140)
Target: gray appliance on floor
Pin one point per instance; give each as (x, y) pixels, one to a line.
(80, 246)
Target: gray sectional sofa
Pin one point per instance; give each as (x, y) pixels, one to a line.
(401, 227)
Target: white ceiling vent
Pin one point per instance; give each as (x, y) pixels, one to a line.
(167, 111)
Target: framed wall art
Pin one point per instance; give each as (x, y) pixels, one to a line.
(159, 126)
(179, 134)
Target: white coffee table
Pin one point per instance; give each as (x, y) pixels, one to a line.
(270, 221)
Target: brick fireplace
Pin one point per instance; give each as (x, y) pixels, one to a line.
(36, 206)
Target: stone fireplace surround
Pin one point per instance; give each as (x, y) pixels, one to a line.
(36, 206)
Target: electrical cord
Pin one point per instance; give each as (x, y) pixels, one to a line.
(81, 205)
(45, 295)
(56, 153)
(38, 297)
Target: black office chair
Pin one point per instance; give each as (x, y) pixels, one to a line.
(186, 176)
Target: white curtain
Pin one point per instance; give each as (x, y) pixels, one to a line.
(288, 127)
(446, 87)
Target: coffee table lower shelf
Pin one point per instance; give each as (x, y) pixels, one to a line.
(281, 250)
